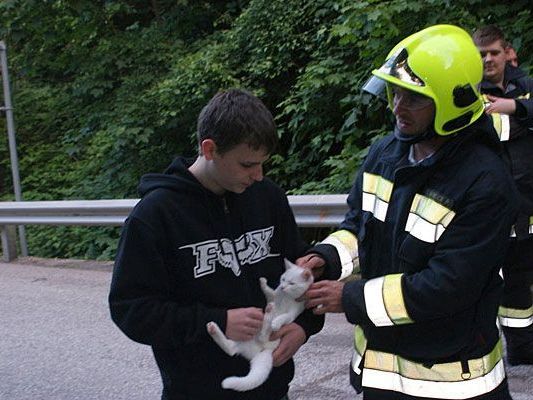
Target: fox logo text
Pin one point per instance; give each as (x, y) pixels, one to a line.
(249, 248)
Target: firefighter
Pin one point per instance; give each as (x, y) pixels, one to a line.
(428, 216)
(508, 93)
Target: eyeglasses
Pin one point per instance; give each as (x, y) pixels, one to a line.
(410, 100)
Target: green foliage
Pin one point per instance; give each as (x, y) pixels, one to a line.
(83, 242)
(325, 121)
(105, 91)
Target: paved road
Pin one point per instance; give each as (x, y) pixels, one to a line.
(57, 343)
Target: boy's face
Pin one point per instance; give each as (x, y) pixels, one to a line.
(237, 169)
(494, 58)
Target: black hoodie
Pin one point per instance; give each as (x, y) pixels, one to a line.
(186, 255)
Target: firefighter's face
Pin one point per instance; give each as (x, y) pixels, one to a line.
(414, 112)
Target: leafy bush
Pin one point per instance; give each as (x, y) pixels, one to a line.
(105, 91)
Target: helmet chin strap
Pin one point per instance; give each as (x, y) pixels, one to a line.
(412, 139)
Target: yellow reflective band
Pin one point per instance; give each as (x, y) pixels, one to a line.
(446, 372)
(501, 121)
(393, 299)
(376, 195)
(375, 306)
(360, 341)
(515, 312)
(345, 242)
(359, 349)
(377, 185)
(448, 380)
(348, 239)
(515, 317)
(428, 219)
(384, 301)
(497, 123)
(431, 211)
(501, 125)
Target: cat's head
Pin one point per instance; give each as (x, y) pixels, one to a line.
(295, 280)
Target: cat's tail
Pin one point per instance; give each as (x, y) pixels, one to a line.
(260, 367)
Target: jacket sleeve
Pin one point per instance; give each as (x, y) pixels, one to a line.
(340, 249)
(466, 256)
(524, 105)
(294, 246)
(140, 300)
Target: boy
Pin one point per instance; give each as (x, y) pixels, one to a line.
(193, 249)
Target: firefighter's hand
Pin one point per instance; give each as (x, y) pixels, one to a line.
(325, 296)
(314, 262)
(500, 105)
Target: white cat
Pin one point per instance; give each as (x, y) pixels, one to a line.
(282, 309)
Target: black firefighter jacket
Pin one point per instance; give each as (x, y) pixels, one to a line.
(516, 135)
(431, 240)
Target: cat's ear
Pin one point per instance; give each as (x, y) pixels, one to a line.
(288, 264)
(307, 274)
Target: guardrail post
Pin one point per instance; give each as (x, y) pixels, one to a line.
(9, 242)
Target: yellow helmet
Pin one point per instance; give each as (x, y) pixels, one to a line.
(440, 62)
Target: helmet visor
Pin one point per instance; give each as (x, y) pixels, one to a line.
(377, 87)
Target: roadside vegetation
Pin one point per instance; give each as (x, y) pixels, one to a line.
(105, 91)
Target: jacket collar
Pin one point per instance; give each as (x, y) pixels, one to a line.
(510, 76)
(395, 153)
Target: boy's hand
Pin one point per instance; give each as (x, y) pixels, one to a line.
(292, 337)
(243, 323)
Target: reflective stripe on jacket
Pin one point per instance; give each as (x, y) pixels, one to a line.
(430, 239)
(452, 380)
(515, 317)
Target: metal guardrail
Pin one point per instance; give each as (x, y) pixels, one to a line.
(309, 210)
(66, 212)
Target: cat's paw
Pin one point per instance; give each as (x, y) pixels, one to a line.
(262, 281)
(269, 308)
(211, 328)
(276, 324)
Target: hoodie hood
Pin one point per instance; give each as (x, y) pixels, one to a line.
(176, 177)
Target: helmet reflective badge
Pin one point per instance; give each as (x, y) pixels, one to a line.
(440, 62)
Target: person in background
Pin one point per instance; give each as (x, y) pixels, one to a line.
(193, 249)
(429, 214)
(508, 92)
(510, 55)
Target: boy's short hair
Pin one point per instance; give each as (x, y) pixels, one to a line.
(236, 116)
(489, 34)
